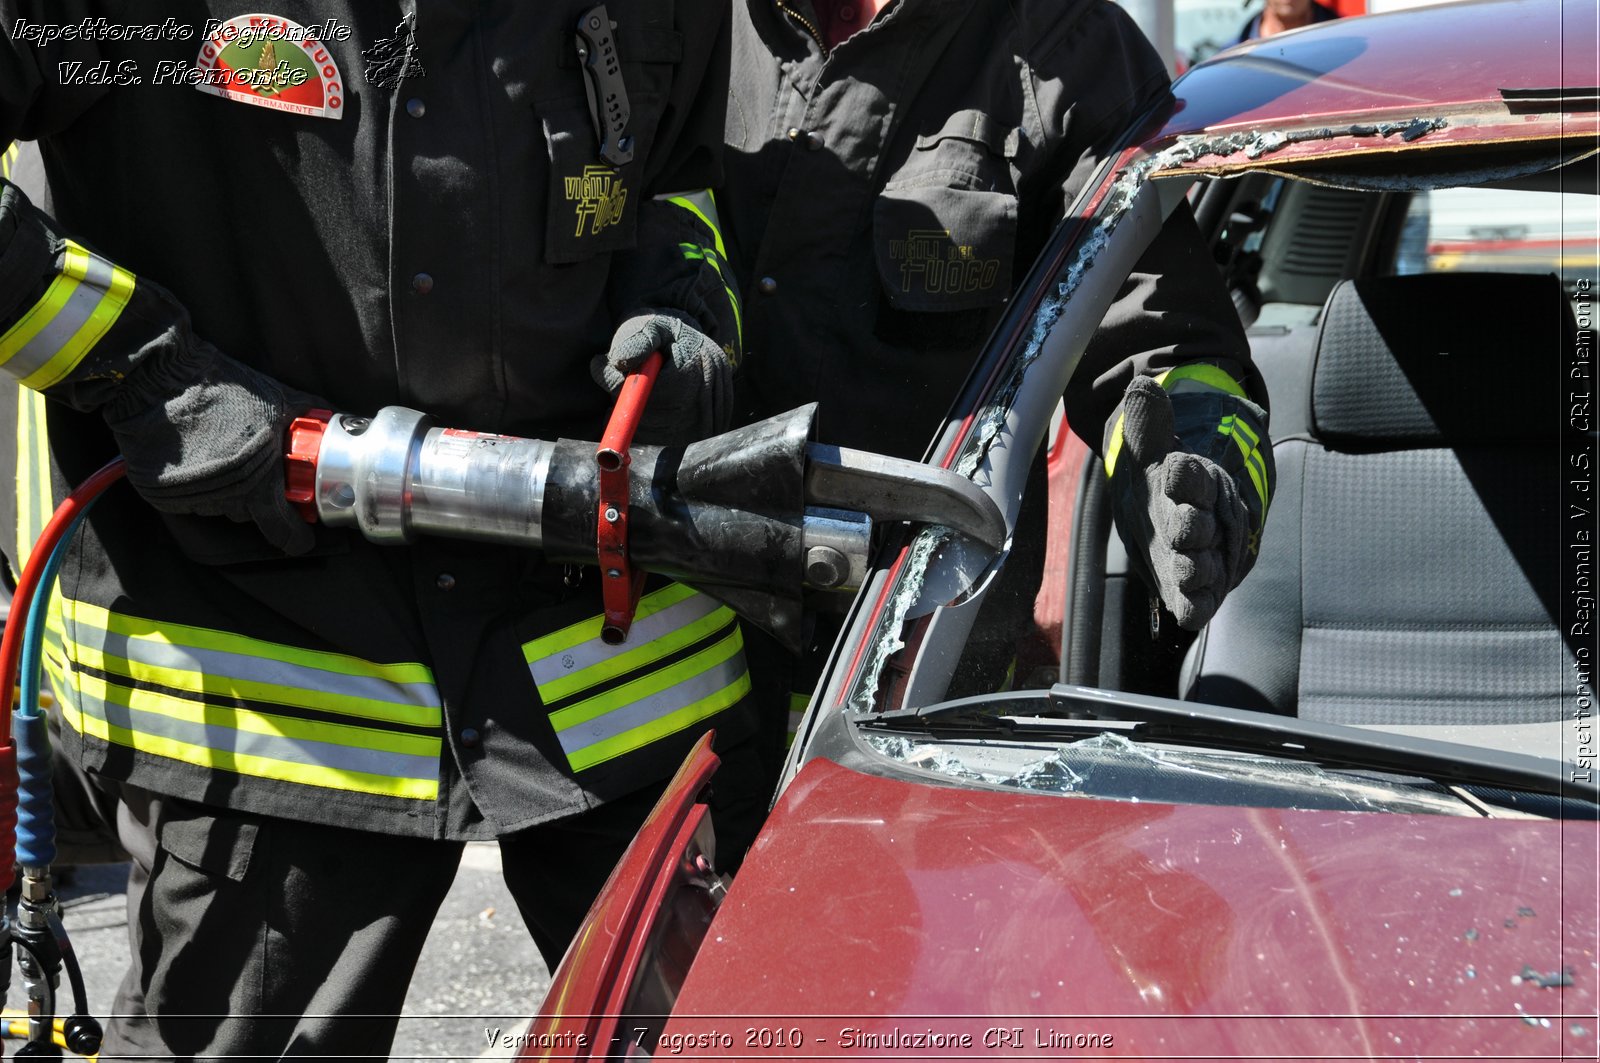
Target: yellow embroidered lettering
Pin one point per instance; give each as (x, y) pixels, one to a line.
(598, 197)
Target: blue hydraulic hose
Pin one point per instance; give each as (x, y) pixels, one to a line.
(36, 820)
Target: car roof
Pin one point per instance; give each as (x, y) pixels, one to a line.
(1450, 75)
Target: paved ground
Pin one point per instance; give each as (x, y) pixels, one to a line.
(478, 972)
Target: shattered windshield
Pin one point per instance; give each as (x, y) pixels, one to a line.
(1109, 765)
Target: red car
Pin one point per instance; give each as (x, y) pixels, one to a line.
(1356, 817)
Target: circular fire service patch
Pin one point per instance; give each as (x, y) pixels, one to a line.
(271, 61)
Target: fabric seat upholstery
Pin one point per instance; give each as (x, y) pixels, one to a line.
(1410, 562)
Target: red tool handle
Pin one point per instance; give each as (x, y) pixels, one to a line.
(621, 584)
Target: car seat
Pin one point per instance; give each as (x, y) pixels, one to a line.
(1409, 568)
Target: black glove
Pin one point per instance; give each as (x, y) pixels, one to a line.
(692, 398)
(1189, 500)
(204, 434)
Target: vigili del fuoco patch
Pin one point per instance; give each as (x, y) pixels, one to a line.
(271, 61)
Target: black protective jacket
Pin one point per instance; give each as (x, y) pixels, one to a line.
(884, 198)
(414, 212)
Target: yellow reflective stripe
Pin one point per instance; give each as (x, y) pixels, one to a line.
(714, 680)
(55, 627)
(248, 764)
(702, 205)
(55, 334)
(696, 253)
(35, 503)
(250, 721)
(38, 316)
(33, 473)
(101, 318)
(649, 685)
(25, 498)
(1254, 462)
(655, 711)
(1234, 428)
(44, 487)
(588, 629)
(1247, 442)
(1198, 372)
(1114, 448)
(227, 642)
(637, 657)
(661, 727)
(1241, 425)
(1201, 373)
(204, 662)
(55, 667)
(209, 683)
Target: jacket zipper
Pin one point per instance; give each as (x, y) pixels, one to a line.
(798, 17)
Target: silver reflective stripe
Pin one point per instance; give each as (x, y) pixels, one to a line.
(263, 670)
(55, 336)
(234, 667)
(326, 755)
(575, 659)
(629, 715)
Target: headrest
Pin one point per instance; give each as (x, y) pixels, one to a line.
(1442, 359)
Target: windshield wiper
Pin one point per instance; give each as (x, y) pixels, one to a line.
(1063, 708)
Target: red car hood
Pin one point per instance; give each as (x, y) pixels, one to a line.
(891, 914)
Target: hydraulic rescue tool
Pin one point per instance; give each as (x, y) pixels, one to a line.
(761, 518)
(754, 517)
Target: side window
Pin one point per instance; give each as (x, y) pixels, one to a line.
(1500, 230)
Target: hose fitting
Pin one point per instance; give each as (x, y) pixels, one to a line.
(40, 958)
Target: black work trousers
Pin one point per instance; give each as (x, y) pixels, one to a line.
(254, 936)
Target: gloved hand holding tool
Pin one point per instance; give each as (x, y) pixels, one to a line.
(693, 396)
(1190, 488)
(203, 434)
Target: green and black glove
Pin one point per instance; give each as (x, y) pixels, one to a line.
(693, 397)
(1191, 478)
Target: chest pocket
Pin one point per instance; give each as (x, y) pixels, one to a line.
(593, 206)
(945, 226)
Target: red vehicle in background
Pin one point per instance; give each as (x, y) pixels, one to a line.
(1357, 817)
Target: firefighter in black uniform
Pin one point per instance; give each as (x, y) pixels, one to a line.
(873, 142)
(354, 205)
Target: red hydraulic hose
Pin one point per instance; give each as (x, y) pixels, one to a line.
(28, 584)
